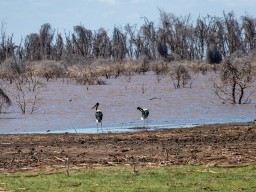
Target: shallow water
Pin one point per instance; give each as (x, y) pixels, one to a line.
(169, 107)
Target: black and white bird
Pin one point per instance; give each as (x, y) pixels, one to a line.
(98, 115)
(144, 114)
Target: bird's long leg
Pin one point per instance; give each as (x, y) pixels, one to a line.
(97, 128)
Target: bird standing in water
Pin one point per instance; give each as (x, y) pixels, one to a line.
(98, 115)
(144, 114)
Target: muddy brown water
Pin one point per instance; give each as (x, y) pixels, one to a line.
(169, 107)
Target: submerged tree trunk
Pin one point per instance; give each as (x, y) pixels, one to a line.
(241, 94)
(234, 92)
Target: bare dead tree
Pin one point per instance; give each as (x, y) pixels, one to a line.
(5, 100)
(10, 48)
(219, 30)
(234, 32)
(7, 46)
(235, 78)
(180, 76)
(139, 47)
(183, 38)
(148, 35)
(68, 51)
(213, 56)
(249, 28)
(130, 36)
(58, 48)
(32, 47)
(210, 35)
(83, 41)
(162, 48)
(46, 35)
(2, 45)
(20, 53)
(101, 45)
(119, 45)
(168, 30)
(201, 36)
(27, 92)
(179, 36)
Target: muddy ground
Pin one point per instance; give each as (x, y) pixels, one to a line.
(211, 145)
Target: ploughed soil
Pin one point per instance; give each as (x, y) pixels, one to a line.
(210, 145)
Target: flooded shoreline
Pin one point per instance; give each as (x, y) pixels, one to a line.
(122, 129)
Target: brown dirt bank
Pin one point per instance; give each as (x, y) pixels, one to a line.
(212, 145)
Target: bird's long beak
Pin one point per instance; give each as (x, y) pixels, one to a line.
(93, 106)
(140, 109)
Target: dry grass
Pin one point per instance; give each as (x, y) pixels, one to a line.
(47, 69)
(10, 69)
(90, 73)
(161, 67)
(84, 75)
(201, 67)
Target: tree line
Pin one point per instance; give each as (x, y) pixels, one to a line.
(50, 54)
(174, 38)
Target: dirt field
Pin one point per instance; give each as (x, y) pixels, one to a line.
(211, 145)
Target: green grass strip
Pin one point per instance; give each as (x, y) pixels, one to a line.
(122, 178)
